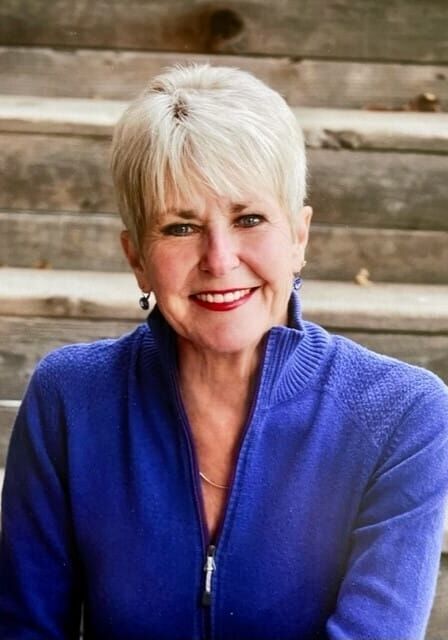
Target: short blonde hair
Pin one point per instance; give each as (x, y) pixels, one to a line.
(200, 127)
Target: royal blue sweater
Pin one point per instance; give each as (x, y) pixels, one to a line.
(333, 524)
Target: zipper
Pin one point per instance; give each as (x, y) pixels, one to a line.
(209, 568)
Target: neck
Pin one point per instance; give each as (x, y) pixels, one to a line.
(219, 372)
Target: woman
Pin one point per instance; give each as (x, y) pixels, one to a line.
(226, 470)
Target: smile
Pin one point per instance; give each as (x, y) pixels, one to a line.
(224, 300)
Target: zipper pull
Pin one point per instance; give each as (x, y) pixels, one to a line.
(209, 567)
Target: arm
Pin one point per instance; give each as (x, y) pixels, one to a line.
(391, 576)
(40, 593)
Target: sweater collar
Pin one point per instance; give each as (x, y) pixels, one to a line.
(293, 354)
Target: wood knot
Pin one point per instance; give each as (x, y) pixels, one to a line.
(225, 24)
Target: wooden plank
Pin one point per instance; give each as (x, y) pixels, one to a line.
(389, 190)
(25, 341)
(378, 189)
(90, 242)
(55, 172)
(355, 129)
(323, 128)
(438, 622)
(71, 116)
(339, 253)
(8, 410)
(74, 294)
(356, 29)
(120, 75)
(64, 241)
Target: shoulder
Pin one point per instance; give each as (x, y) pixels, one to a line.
(379, 391)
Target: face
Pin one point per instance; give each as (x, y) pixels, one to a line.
(221, 271)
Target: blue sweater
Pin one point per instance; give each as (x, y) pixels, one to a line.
(333, 524)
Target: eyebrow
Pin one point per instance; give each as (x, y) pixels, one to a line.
(191, 214)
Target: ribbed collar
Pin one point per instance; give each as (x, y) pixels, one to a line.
(292, 355)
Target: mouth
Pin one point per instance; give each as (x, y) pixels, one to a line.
(223, 300)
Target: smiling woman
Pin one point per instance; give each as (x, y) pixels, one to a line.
(227, 470)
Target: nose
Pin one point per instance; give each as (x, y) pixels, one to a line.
(219, 252)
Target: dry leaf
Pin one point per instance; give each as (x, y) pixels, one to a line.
(362, 278)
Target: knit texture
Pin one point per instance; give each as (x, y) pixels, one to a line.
(333, 524)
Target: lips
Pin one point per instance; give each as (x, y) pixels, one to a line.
(222, 300)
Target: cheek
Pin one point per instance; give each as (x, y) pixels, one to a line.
(168, 268)
(276, 257)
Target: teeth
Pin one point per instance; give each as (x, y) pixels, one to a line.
(219, 298)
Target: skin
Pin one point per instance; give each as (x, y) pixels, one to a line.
(212, 245)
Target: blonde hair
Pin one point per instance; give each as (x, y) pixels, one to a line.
(199, 128)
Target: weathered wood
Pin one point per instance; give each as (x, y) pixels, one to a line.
(323, 128)
(25, 341)
(8, 410)
(438, 622)
(71, 116)
(120, 75)
(64, 241)
(335, 253)
(378, 189)
(355, 129)
(366, 29)
(389, 190)
(74, 294)
(338, 253)
(55, 172)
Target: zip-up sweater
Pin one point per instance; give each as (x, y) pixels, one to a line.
(333, 523)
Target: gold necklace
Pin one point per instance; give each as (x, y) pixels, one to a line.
(214, 484)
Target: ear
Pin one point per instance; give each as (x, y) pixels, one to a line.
(301, 235)
(135, 261)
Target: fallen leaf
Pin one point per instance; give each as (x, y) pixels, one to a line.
(362, 278)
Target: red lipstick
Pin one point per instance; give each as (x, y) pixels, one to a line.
(223, 306)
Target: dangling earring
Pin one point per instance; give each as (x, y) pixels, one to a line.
(297, 282)
(144, 301)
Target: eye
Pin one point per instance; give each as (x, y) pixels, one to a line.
(250, 220)
(180, 229)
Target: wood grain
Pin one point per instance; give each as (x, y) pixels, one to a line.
(90, 242)
(62, 173)
(25, 341)
(362, 188)
(7, 416)
(403, 30)
(120, 75)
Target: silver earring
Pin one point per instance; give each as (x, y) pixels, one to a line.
(144, 301)
(297, 282)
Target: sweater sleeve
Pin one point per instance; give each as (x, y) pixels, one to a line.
(391, 575)
(40, 594)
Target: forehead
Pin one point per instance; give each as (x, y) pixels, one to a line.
(203, 204)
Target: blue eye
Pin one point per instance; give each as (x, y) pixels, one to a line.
(250, 220)
(180, 229)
